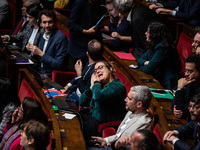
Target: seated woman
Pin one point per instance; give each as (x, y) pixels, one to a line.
(106, 94)
(31, 34)
(161, 60)
(119, 29)
(30, 109)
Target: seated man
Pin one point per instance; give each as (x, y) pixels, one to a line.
(140, 139)
(34, 136)
(187, 87)
(190, 129)
(52, 49)
(137, 117)
(81, 82)
(188, 10)
(196, 43)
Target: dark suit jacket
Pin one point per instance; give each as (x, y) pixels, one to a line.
(55, 54)
(82, 83)
(25, 34)
(140, 19)
(184, 131)
(81, 18)
(182, 98)
(192, 13)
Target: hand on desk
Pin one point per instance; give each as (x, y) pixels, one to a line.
(154, 6)
(164, 11)
(34, 49)
(177, 113)
(170, 136)
(65, 89)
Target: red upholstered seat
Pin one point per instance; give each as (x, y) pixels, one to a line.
(108, 128)
(124, 80)
(25, 91)
(184, 49)
(62, 77)
(157, 133)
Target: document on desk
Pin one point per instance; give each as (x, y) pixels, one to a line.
(127, 56)
(69, 116)
(107, 37)
(25, 61)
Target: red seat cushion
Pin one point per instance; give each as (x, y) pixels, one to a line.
(25, 91)
(108, 132)
(157, 133)
(184, 49)
(62, 77)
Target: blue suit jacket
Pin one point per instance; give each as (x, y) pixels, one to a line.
(55, 54)
(82, 83)
(81, 18)
(192, 13)
(184, 131)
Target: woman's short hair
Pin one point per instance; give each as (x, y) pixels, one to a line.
(39, 132)
(123, 6)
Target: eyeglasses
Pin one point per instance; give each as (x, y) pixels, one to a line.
(19, 108)
(194, 107)
(188, 71)
(99, 68)
(197, 42)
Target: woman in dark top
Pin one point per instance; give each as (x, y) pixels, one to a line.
(119, 29)
(161, 60)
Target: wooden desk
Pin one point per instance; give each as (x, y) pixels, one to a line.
(73, 139)
(166, 121)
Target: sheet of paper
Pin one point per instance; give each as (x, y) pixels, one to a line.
(69, 116)
(127, 56)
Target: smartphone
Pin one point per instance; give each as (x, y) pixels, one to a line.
(147, 80)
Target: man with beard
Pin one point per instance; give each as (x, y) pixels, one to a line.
(196, 43)
(192, 128)
(137, 102)
(52, 49)
(187, 87)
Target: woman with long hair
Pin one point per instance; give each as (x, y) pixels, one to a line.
(161, 60)
(30, 109)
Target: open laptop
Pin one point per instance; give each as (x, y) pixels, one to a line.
(8, 48)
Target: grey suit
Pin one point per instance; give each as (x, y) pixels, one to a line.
(138, 121)
(24, 36)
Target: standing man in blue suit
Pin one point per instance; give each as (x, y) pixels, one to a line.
(53, 45)
(192, 128)
(187, 10)
(83, 17)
